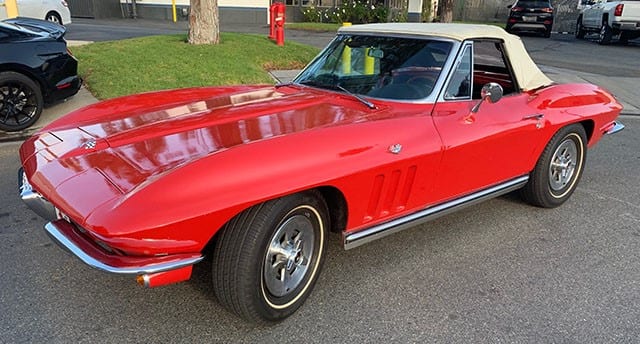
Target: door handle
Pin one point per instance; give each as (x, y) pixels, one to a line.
(537, 116)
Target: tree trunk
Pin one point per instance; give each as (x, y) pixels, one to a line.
(203, 22)
(446, 11)
(427, 11)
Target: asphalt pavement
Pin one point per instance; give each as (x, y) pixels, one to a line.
(497, 272)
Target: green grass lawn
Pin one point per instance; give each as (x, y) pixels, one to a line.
(117, 68)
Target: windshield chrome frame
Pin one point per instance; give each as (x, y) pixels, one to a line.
(437, 87)
(457, 58)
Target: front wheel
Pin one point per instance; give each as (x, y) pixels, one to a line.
(268, 258)
(559, 168)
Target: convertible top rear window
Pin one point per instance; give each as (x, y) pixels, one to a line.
(380, 67)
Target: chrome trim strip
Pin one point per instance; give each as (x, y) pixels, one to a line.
(67, 244)
(364, 236)
(617, 126)
(34, 200)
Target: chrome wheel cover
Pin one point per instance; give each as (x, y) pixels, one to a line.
(602, 34)
(563, 165)
(289, 254)
(54, 19)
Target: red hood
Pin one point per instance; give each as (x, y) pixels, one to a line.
(134, 139)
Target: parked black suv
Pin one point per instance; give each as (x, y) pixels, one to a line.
(531, 16)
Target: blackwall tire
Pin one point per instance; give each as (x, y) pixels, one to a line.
(558, 169)
(267, 259)
(21, 101)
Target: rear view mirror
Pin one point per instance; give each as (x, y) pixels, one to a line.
(374, 52)
(491, 92)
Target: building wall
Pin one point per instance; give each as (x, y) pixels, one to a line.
(95, 8)
(230, 11)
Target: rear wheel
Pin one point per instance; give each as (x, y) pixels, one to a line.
(604, 37)
(21, 101)
(559, 168)
(579, 29)
(268, 258)
(53, 17)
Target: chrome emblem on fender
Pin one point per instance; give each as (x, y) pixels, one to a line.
(91, 144)
(395, 149)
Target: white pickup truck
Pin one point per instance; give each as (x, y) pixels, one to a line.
(610, 19)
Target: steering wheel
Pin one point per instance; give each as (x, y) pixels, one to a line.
(414, 73)
(418, 78)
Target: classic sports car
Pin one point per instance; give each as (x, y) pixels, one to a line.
(390, 126)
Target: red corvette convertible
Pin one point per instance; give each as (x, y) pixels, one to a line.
(390, 126)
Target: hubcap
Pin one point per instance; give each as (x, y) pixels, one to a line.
(288, 255)
(563, 165)
(603, 31)
(17, 104)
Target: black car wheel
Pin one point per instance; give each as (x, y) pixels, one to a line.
(53, 17)
(605, 35)
(21, 101)
(267, 259)
(579, 29)
(559, 168)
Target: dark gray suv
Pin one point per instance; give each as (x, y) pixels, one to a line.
(531, 16)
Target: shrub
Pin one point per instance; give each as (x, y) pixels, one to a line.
(354, 11)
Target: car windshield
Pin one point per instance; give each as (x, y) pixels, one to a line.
(379, 67)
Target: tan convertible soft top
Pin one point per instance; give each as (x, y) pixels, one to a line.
(529, 76)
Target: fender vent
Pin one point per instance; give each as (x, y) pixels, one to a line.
(390, 193)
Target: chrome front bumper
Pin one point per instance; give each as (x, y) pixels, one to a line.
(67, 237)
(34, 200)
(63, 234)
(616, 127)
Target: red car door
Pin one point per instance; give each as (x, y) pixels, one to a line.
(492, 145)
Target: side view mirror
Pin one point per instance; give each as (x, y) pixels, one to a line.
(491, 92)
